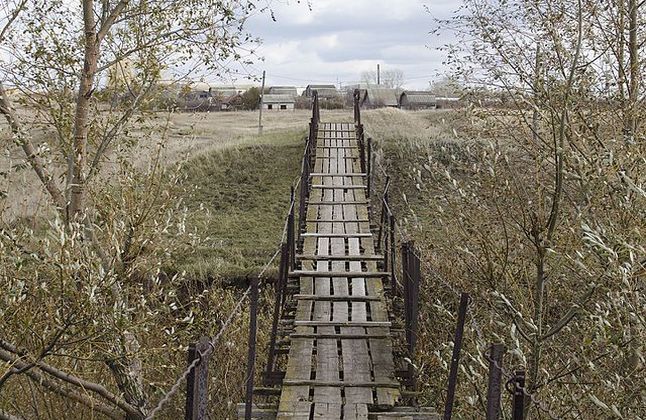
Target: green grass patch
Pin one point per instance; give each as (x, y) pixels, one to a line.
(239, 203)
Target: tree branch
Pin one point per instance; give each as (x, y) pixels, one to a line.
(33, 158)
(14, 16)
(13, 355)
(112, 17)
(61, 390)
(570, 314)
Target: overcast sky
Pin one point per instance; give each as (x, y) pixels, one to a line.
(336, 40)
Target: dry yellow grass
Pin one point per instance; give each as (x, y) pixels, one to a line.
(182, 135)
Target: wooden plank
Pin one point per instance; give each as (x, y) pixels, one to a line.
(336, 203)
(340, 298)
(341, 384)
(362, 274)
(362, 336)
(319, 220)
(332, 174)
(336, 187)
(337, 235)
(340, 257)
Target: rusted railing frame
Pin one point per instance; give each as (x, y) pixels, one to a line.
(411, 277)
(455, 358)
(516, 386)
(495, 356)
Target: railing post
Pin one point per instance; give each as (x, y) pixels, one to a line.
(357, 107)
(384, 218)
(406, 280)
(392, 254)
(279, 291)
(455, 359)
(291, 237)
(369, 166)
(251, 355)
(495, 375)
(197, 382)
(518, 403)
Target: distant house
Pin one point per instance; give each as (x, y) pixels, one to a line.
(199, 100)
(278, 102)
(413, 100)
(232, 103)
(324, 91)
(283, 90)
(380, 98)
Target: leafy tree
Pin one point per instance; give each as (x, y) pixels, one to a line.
(89, 288)
(539, 217)
(251, 99)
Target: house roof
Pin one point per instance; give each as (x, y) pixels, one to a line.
(282, 90)
(316, 87)
(382, 96)
(418, 97)
(270, 98)
(324, 91)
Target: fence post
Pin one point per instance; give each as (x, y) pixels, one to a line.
(455, 359)
(495, 374)
(518, 404)
(251, 355)
(197, 383)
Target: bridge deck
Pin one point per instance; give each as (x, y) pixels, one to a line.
(340, 360)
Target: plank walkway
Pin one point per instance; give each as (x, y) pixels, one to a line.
(340, 361)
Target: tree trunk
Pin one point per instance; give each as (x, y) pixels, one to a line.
(127, 373)
(81, 117)
(537, 344)
(630, 126)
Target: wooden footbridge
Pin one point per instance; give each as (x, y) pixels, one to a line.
(344, 327)
(340, 358)
(332, 335)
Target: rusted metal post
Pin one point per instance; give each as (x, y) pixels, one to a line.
(404, 257)
(387, 244)
(291, 237)
(495, 374)
(251, 355)
(518, 402)
(362, 148)
(383, 219)
(455, 359)
(392, 254)
(369, 167)
(279, 291)
(406, 280)
(197, 383)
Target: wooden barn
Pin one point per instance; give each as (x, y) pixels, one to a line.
(325, 91)
(414, 100)
(380, 98)
(274, 102)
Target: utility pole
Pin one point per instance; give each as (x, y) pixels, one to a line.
(262, 96)
(378, 74)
